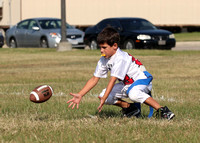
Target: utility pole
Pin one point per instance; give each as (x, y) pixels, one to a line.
(63, 21)
(10, 15)
(64, 45)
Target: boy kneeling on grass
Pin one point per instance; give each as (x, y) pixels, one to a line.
(134, 81)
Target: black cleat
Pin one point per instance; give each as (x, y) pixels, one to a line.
(165, 113)
(132, 110)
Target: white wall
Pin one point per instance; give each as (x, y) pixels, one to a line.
(89, 12)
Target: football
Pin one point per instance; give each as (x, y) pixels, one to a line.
(41, 93)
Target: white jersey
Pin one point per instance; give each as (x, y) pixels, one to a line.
(121, 65)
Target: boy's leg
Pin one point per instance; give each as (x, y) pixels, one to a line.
(114, 98)
(153, 103)
(138, 94)
(162, 112)
(121, 103)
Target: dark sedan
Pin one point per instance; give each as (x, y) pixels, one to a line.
(134, 33)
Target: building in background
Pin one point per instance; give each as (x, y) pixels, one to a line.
(174, 15)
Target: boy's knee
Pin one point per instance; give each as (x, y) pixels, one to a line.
(138, 96)
(110, 100)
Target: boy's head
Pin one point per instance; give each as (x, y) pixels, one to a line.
(108, 35)
(108, 41)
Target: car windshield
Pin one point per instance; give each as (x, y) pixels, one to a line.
(52, 24)
(137, 24)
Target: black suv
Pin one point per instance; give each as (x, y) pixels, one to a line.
(134, 33)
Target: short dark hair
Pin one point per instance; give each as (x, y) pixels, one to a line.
(108, 35)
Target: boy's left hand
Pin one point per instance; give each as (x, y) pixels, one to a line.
(102, 101)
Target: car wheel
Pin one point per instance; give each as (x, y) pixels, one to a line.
(129, 44)
(13, 43)
(93, 45)
(44, 43)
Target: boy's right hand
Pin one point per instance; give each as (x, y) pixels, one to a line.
(75, 100)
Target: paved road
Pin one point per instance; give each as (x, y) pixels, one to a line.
(193, 45)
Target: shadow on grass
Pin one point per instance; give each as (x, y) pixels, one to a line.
(108, 114)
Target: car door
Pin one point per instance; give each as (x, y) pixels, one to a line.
(101, 26)
(115, 24)
(32, 36)
(20, 32)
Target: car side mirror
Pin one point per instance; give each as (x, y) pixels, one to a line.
(35, 28)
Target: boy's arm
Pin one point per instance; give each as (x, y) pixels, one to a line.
(77, 97)
(108, 90)
(89, 85)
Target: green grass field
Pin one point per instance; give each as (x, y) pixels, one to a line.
(176, 84)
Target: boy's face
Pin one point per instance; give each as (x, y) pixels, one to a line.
(107, 51)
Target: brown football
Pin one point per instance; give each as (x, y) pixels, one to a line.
(41, 93)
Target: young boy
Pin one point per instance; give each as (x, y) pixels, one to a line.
(134, 81)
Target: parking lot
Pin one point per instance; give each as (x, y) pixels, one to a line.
(192, 45)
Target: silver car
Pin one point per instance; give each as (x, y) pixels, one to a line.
(42, 32)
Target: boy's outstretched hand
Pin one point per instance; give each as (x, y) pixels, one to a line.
(102, 101)
(75, 100)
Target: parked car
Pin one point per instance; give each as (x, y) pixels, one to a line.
(1, 40)
(42, 32)
(134, 33)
